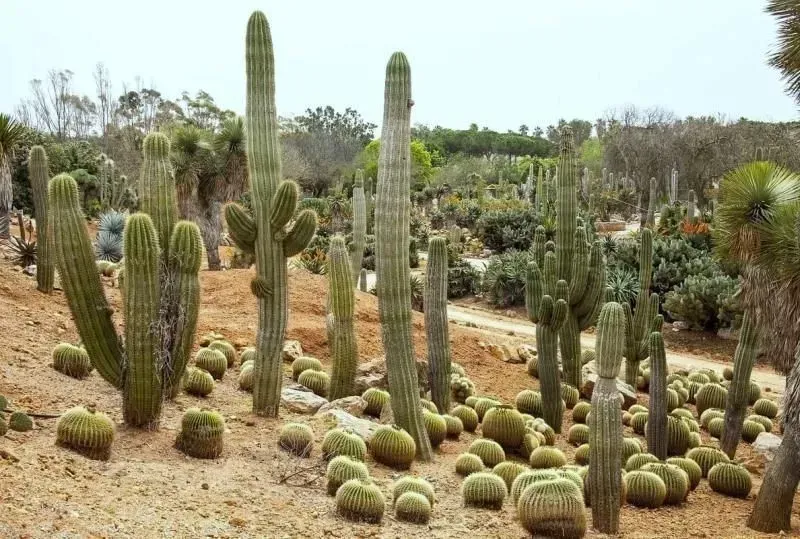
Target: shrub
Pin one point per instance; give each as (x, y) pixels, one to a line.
(503, 230)
(504, 279)
(699, 301)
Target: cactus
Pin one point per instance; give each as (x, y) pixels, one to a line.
(547, 457)
(751, 430)
(360, 501)
(639, 421)
(754, 393)
(201, 434)
(296, 438)
(657, 436)
(413, 484)
(71, 360)
(637, 460)
(436, 324)
(711, 395)
(227, 350)
(706, 457)
(630, 447)
(359, 205)
(682, 413)
(578, 434)
(639, 325)
(468, 463)
(678, 434)
(651, 205)
(3, 426)
(529, 477)
(428, 406)
(766, 407)
(393, 447)
(730, 479)
(20, 422)
(569, 395)
(529, 402)
(483, 405)
(198, 382)
(376, 399)
(39, 177)
(645, 489)
(541, 427)
(765, 421)
(508, 471)
(265, 233)
(392, 244)
(504, 425)
(317, 381)
(699, 377)
(248, 354)
(342, 469)
(468, 417)
(727, 373)
(413, 507)
(709, 414)
(471, 401)
(212, 361)
(341, 300)
(489, 451)
(692, 469)
(246, 377)
(86, 431)
(580, 411)
(691, 207)
(553, 508)
(485, 490)
(583, 455)
(304, 363)
(436, 427)
(343, 442)
(715, 427)
(694, 440)
(362, 280)
(461, 387)
(454, 426)
(675, 479)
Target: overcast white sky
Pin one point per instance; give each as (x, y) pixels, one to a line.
(499, 63)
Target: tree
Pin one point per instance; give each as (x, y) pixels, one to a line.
(421, 168)
(11, 134)
(581, 129)
(102, 84)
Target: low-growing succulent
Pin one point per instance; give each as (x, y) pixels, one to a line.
(248, 354)
(412, 507)
(706, 457)
(342, 469)
(508, 471)
(691, 424)
(638, 422)
(471, 401)
(246, 376)
(317, 381)
(699, 377)
(468, 417)
(582, 455)
(413, 484)
(360, 500)
(296, 438)
(709, 414)
(727, 373)
(766, 407)
(675, 479)
(677, 436)
(673, 400)
(375, 398)
(765, 421)
(305, 363)
(529, 402)
(227, 350)
(692, 469)
(553, 508)
(198, 382)
(715, 427)
(20, 422)
(483, 405)
(638, 460)
(694, 440)
(86, 431)
(626, 418)
(636, 408)
(693, 388)
(489, 451)
(212, 361)
(436, 427)
(630, 446)
(468, 463)
(3, 426)
(710, 396)
(645, 489)
(533, 366)
(683, 413)
(461, 387)
(210, 337)
(393, 447)
(570, 395)
(540, 426)
(429, 406)
(578, 434)
(547, 457)
(580, 411)
(71, 360)
(340, 441)
(528, 477)
(455, 368)
(730, 479)
(484, 489)
(201, 433)
(504, 425)
(454, 426)
(529, 442)
(754, 394)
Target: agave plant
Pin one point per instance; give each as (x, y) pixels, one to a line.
(313, 260)
(23, 252)
(417, 294)
(623, 284)
(108, 246)
(112, 222)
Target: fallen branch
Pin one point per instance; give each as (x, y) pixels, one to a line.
(35, 414)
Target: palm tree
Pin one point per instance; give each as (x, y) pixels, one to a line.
(11, 134)
(786, 57)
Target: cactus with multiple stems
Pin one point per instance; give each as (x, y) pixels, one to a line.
(341, 301)
(39, 177)
(436, 325)
(359, 225)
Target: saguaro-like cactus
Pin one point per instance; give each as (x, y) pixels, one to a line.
(651, 204)
(39, 177)
(265, 233)
(645, 320)
(359, 225)
(657, 435)
(341, 299)
(436, 327)
(392, 215)
(738, 392)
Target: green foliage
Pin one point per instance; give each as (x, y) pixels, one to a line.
(623, 285)
(421, 166)
(86, 431)
(201, 434)
(504, 230)
(704, 302)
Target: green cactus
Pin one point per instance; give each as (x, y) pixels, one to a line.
(766, 407)
(376, 399)
(578, 434)
(730, 479)
(694, 440)
(454, 426)
(657, 436)
(630, 446)
(727, 373)
(3, 403)
(529, 402)
(39, 177)
(304, 363)
(682, 413)
(343, 442)
(471, 401)
(639, 325)
(583, 455)
(699, 377)
(711, 395)
(413, 507)
(754, 392)
(198, 382)
(765, 421)
(715, 427)
(468, 417)
(461, 387)
(428, 406)
(362, 280)
(711, 413)
(750, 431)
(436, 323)
(527, 478)
(553, 508)
(490, 452)
(678, 434)
(547, 433)
(706, 457)
(692, 469)
(639, 421)
(504, 425)
(86, 431)
(71, 360)
(248, 354)
(342, 469)
(468, 463)
(296, 438)
(508, 471)
(483, 405)
(570, 396)
(413, 484)
(580, 411)
(246, 377)
(201, 433)
(675, 479)
(360, 501)
(484, 490)
(212, 361)
(20, 422)
(547, 457)
(436, 428)
(227, 350)
(637, 460)
(265, 233)
(317, 381)
(393, 447)
(645, 489)
(341, 300)
(691, 207)
(359, 205)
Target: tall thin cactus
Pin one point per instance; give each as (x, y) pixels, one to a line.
(392, 216)
(651, 204)
(657, 435)
(436, 327)
(359, 225)
(645, 320)
(691, 207)
(39, 177)
(369, 197)
(341, 299)
(540, 201)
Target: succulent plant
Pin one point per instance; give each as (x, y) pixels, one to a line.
(227, 350)
(413, 484)
(709, 414)
(540, 426)
(692, 469)
(570, 395)
(376, 399)
(730, 479)
(766, 407)
(529, 402)
(246, 377)
(343, 442)
(341, 306)
(304, 363)
(71, 360)
(360, 500)
(454, 426)
(483, 405)
(706, 457)
(638, 422)
(578, 434)
(201, 433)
(711, 395)
(198, 382)
(3, 403)
(699, 377)
(682, 413)
(630, 446)
(483, 489)
(508, 471)
(489, 451)
(645, 489)
(552, 508)
(461, 387)
(436, 323)
(636, 408)
(20, 422)
(677, 436)
(436, 426)
(393, 447)
(587, 356)
(429, 406)
(342, 469)
(765, 421)
(754, 393)
(638, 460)
(580, 411)
(468, 463)
(675, 479)
(582, 454)
(504, 425)
(727, 373)
(86, 431)
(715, 427)
(317, 381)
(468, 417)
(248, 354)
(626, 418)
(471, 401)
(529, 443)
(296, 438)
(547, 457)
(533, 366)
(212, 361)
(39, 177)
(413, 507)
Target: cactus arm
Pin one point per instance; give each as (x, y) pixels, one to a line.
(547, 350)
(81, 281)
(570, 346)
(436, 326)
(567, 201)
(157, 187)
(631, 348)
(602, 296)
(549, 274)
(580, 267)
(341, 301)
(359, 225)
(241, 227)
(657, 439)
(595, 283)
(283, 205)
(538, 248)
(301, 233)
(39, 177)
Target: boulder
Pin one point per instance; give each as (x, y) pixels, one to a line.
(292, 350)
(767, 444)
(526, 352)
(354, 405)
(373, 374)
(362, 427)
(302, 402)
(627, 393)
(504, 352)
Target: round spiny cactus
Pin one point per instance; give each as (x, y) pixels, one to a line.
(706, 457)
(504, 425)
(699, 377)
(483, 405)
(71, 360)
(553, 508)
(360, 500)
(710, 396)
(20, 422)
(582, 455)
(296, 438)
(580, 411)
(436, 426)
(533, 366)
(413, 507)
(578, 434)
(489, 451)
(198, 382)
(638, 422)
(727, 373)
(675, 479)
(712, 375)
(693, 388)
(754, 394)
(626, 418)
(305, 363)
(630, 446)
(375, 398)
(248, 354)
(393, 447)
(454, 426)
(766, 407)
(468, 463)
(765, 421)
(468, 417)
(691, 424)
(636, 408)
(413, 484)
(528, 477)
(86, 431)
(673, 400)
(461, 387)
(570, 395)
(456, 368)
(694, 440)
(709, 414)
(429, 406)
(730, 479)
(485, 490)
(682, 413)
(645, 489)
(692, 469)
(343, 442)
(471, 401)
(540, 426)
(246, 376)
(683, 396)
(529, 442)
(508, 471)
(677, 436)
(715, 427)
(212, 361)
(342, 469)
(547, 457)
(587, 356)
(638, 460)
(210, 337)
(227, 350)
(201, 433)
(529, 402)
(317, 381)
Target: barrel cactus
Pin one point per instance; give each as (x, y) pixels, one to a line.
(489, 451)
(246, 376)
(461, 387)
(201, 433)
(483, 489)
(468, 463)
(343, 442)
(766, 407)
(341, 302)
(428, 406)
(765, 421)
(360, 500)
(730, 479)
(71, 360)
(638, 460)
(436, 426)
(529, 402)
(675, 479)
(553, 508)
(317, 381)
(645, 489)
(376, 399)
(20, 422)
(715, 427)
(710, 396)
(570, 395)
(211, 361)
(630, 446)
(582, 455)
(248, 354)
(638, 422)
(578, 434)
(753, 393)
(528, 477)
(454, 426)
(86, 431)
(709, 414)
(227, 350)
(706, 457)
(483, 405)
(342, 469)
(359, 206)
(692, 469)
(580, 411)
(468, 417)
(413, 484)
(508, 471)
(198, 382)
(677, 436)
(296, 438)
(504, 425)
(413, 507)
(393, 447)
(547, 457)
(304, 363)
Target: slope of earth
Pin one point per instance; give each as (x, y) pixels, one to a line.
(149, 489)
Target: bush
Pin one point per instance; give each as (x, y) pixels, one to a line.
(504, 279)
(704, 302)
(504, 230)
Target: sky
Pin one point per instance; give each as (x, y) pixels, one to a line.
(498, 64)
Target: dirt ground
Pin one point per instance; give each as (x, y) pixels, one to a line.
(149, 489)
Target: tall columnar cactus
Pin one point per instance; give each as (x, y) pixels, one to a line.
(691, 207)
(739, 390)
(369, 194)
(265, 233)
(539, 200)
(651, 205)
(39, 177)
(657, 434)
(436, 327)
(359, 225)
(605, 422)
(392, 215)
(673, 186)
(646, 319)
(341, 299)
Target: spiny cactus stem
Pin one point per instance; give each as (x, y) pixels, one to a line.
(341, 300)
(39, 178)
(436, 325)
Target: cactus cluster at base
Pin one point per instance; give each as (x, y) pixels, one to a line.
(645, 489)
(706, 457)
(226, 349)
(675, 479)
(730, 479)
(413, 484)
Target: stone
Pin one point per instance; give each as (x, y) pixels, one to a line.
(526, 352)
(354, 405)
(767, 444)
(627, 393)
(302, 402)
(680, 325)
(292, 350)
(504, 352)
(363, 427)
(30, 270)
(373, 374)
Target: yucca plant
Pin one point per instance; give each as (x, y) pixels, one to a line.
(23, 252)
(112, 222)
(108, 246)
(623, 285)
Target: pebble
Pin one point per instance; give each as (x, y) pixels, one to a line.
(204, 486)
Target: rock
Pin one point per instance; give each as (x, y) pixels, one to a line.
(767, 444)
(627, 393)
(679, 325)
(505, 353)
(362, 427)
(353, 405)
(30, 270)
(303, 402)
(373, 374)
(526, 352)
(292, 350)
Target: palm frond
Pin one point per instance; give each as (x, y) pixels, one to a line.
(23, 252)
(786, 56)
(231, 137)
(11, 134)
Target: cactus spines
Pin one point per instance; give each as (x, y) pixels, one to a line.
(360, 501)
(296, 438)
(715, 427)
(709, 414)
(413, 507)
(711, 395)
(212, 361)
(570, 395)
(428, 406)
(198, 382)
(764, 421)
(376, 399)
(341, 300)
(468, 463)
(343, 442)
(692, 469)
(504, 425)
(436, 427)
(630, 446)
(71, 360)
(342, 469)
(645, 489)
(227, 350)
(675, 479)
(86, 431)
(730, 479)
(637, 460)
(578, 434)
(583, 455)
(508, 471)
(706, 457)
(317, 381)
(489, 451)
(483, 405)
(359, 225)
(553, 508)
(639, 421)
(526, 478)
(645, 320)
(468, 417)
(39, 177)
(413, 484)
(20, 422)
(201, 434)
(547, 457)
(436, 323)
(766, 407)
(304, 363)
(484, 489)
(580, 411)
(393, 447)
(272, 205)
(454, 426)
(246, 377)
(529, 402)
(657, 436)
